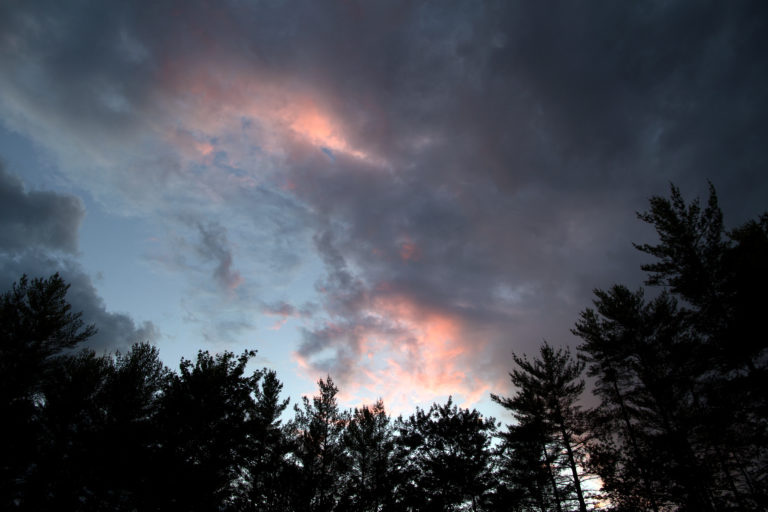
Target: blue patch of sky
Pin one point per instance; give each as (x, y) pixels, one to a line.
(116, 252)
(29, 161)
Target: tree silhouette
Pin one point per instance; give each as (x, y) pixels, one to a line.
(548, 389)
(36, 326)
(450, 457)
(528, 473)
(641, 354)
(681, 422)
(721, 277)
(317, 431)
(370, 446)
(73, 469)
(134, 396)
(204, 433)
(680, 375)
(270, 474)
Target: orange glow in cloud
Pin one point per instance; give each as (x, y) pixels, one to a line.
(311, 123)
(316, 127)
(215, 100)
(425, 357)
(432, 359)
(412, 354)
(205, 148)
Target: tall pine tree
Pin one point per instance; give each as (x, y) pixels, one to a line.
(548, 388)
(682, 423)
(318, 430)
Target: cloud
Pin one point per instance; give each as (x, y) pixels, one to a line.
(40, 238)
(37, 218)
(399, 350)
(378, 341)
(427, 171)
(285, 311)
(116, 331)
(215, 247)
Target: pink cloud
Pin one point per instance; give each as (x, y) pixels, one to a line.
(405, 353)
(215, 98)
(390, 346)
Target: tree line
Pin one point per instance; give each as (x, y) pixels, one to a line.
(678, 374)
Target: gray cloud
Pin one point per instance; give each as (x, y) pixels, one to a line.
(116, 331)
(510, 143)
(544, 130)
(215, 247)
(39, 237)
(286, 310)
(37, 218)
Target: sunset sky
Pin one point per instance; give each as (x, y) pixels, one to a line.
(396, 193)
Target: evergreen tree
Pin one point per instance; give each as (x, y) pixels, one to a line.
(682, 423)
(36, 326)
(73, 470)
(545, 403)
(96, 421)
(370, 445)
(269, 472)
(642, 355)
(132, 396)
(317, 431)
(447, 458)
(721, 276)
(204, 434)
(527, 476)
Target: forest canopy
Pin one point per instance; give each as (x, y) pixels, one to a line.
(678, 373)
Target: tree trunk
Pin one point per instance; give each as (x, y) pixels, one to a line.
(635, 448)
(555, 490)
(574, 470)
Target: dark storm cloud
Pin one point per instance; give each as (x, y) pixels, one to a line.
(37, 218)
(493, 153)
(472, 253)
(522, 139)
(39, 234)
(584, 94)
(86, 67)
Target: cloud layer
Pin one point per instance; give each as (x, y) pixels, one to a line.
(460, 175)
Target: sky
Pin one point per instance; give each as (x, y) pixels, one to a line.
(398, 194)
